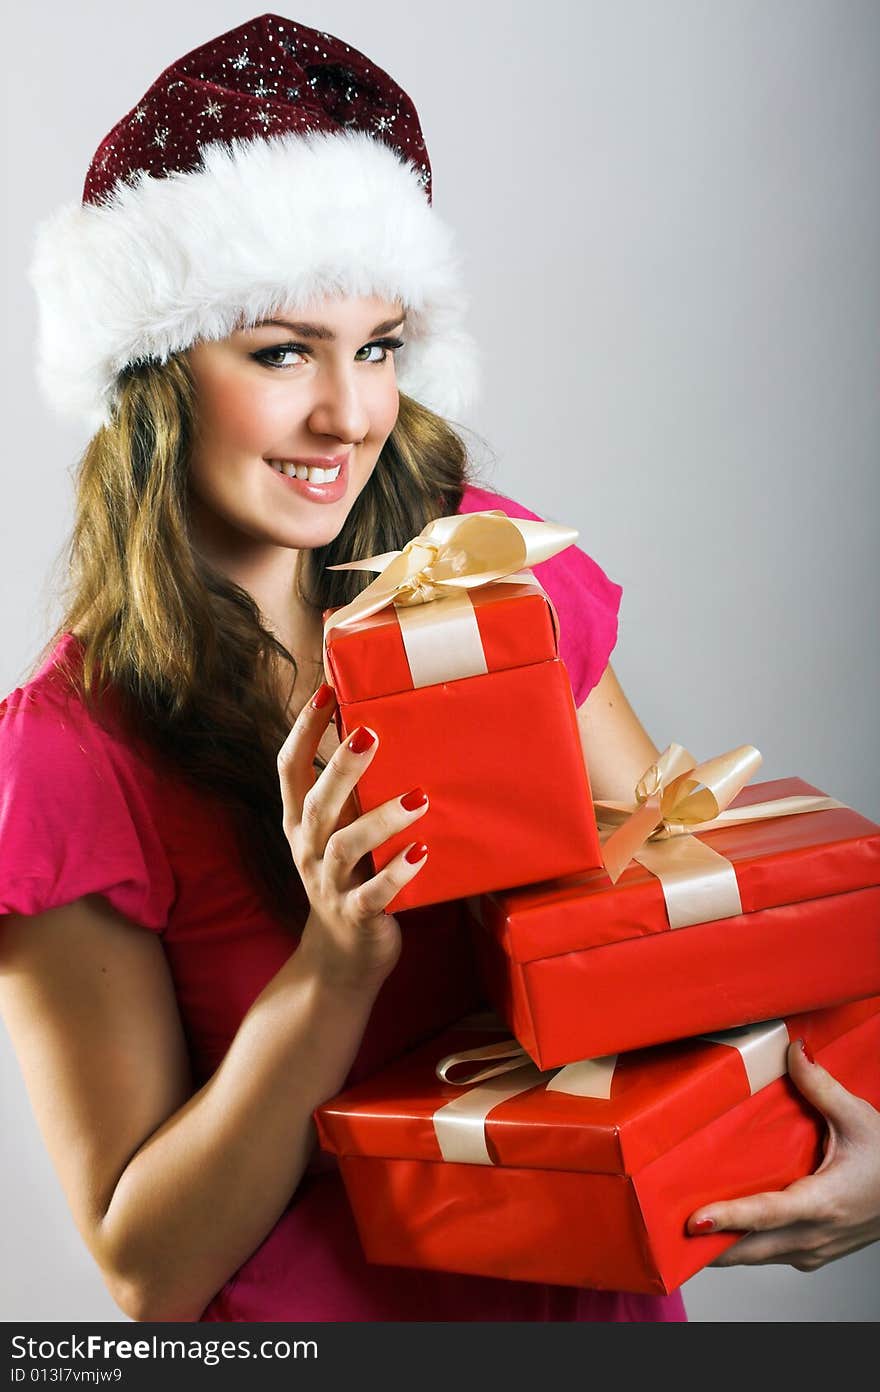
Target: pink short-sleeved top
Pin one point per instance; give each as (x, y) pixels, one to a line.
(85, 812)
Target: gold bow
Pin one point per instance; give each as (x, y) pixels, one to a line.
(675, 798)
(672, 796)
(451, 554)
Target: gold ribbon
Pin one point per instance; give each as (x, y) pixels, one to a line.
(460, 1125)
(450, 556)
(675, 798)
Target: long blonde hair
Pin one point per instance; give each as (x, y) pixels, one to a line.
(191, 665)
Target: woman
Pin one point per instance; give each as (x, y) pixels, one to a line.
(228, 314)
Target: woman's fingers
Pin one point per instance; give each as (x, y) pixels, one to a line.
(296, 757)
(373, 896)
(756, 1213)
(349, 844)
(821, 1216)
(323, 804)
(790, 1246)
(850, 1116)
(326, 841)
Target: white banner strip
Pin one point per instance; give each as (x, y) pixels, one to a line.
(442, 640)
(589, 1078)
(692, 897)
(763, 1049)
(460, 1125)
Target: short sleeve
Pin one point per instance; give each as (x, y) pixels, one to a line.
(74, 818)
(586, 601)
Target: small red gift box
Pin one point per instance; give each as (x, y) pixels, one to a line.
(586, 1177)
(582, 966)
(498, 754)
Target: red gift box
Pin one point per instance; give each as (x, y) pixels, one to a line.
(498, 754)
(586, 1190)
(582, 966)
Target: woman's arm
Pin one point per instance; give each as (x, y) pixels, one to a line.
(616, 746)
(172, 1192)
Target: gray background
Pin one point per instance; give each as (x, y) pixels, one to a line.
(669, 220)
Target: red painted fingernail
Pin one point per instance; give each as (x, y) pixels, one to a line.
(362, 740)
(416, 798)
(805, 1051)
(323, 696)
(705, 1225)
(416, 853)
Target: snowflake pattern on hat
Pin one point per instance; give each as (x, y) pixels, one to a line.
(268, 76)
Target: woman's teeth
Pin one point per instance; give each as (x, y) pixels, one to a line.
(301, 471)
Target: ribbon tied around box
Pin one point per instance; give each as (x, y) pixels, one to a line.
(676, 798)
(427, 583)
(460, 1125)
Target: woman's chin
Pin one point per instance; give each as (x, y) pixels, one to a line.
(312, 533)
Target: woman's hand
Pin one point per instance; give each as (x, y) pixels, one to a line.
(825, 1215)
(355, 944)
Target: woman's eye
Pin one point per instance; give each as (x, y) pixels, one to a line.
(274, 357)
(267, 355)
(372, 348)
(383, 345)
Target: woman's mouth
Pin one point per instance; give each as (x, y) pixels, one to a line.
(320, 485)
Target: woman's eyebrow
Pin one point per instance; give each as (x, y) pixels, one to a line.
(319, 330)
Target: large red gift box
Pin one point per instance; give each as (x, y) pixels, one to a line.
(498, 754)
(582, 966)
(592, 1186)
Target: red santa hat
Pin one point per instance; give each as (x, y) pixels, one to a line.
(268, 168)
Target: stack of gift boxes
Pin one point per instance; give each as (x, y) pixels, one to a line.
(647, 965)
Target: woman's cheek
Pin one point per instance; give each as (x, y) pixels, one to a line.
(251, 419)
(233, 406)
(388, 410)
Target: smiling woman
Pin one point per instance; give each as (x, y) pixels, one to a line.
(322, 418)
(179, 987)
(193, 955)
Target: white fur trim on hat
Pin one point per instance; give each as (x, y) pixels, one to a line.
(262, 224)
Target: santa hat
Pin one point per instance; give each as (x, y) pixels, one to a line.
(270, 167)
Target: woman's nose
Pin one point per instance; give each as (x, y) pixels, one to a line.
(340, 405)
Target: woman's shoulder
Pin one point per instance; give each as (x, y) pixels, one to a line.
(49, 702)
(49, 689)
(79, 811)
(49, 733)
(49, 729)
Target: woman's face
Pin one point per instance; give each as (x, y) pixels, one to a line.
(316, 393)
